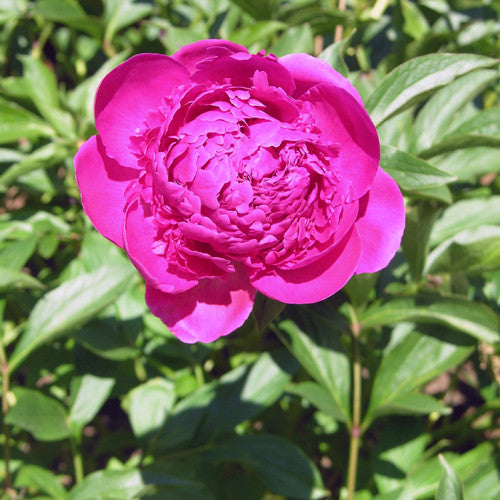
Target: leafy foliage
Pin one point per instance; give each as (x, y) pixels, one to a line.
(400, 369)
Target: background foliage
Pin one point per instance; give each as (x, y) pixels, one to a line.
(394, 380)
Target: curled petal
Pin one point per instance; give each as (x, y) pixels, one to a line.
(308, 71)
(102, 183)
(139, 238)
(343, 120)
(382, 224)
(190, 55)
(126, 96)
(316, 281)
(206, 312)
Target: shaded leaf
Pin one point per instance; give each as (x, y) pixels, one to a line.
(92, 392)
(68, 306)
(280, 465)
(43, 417)
(320, 353)
(40, 479)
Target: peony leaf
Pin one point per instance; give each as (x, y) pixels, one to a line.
(472, 318)
(410, 172)
(40, 479)
(280, 465)
(409, 361)
(68, 306)
(416, 79)
(50, 423)
(450, 486)
(16, 122)
(466, 214)
(318, 350)
(437, 115)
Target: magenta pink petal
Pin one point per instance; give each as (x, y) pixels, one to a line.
(139, 237)
(190, 55)
(102, 183)
(308, 71)
(344, 121)
(206, 312)
(316, 281)
(382, 224)
(126, 96)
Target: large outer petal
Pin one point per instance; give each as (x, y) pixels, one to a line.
(139, 236)
(190, 55)
(102, 183)
(316, 281)
(308, 71)
(382, 224)
(127, 94)
(206, 312)
(344, 121)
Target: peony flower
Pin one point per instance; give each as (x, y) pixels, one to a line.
(222, 173)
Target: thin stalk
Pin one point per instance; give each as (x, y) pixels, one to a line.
(77, 460)
(5, 410)
(356, 412)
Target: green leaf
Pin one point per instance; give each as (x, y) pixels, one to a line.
(483, 129)
(91, 394)
(15, 254)
(279, 464)
(265, 310)
(450, 487)
(466, 214)
(334, 54)
(68, 306)
(296, 39)
(43, 417)
(109, 485)
(216, 408)
(119, 14)
(70, 13)
(258, 9)
(400, 444)
(423, 479)
(468, 164)
(248, 35)
(473, 318)
(419, 222)
(49, 155)
(245, 391)
(40, 479)
(415, 24)
(320, 353)
(411, 360)
(410, 172)
(319, 397)
(469, 251)
(16, 123)
(9, 278)
(416, 79)
(41, 83)
(149, 406)
(436, 116)
(412, 404)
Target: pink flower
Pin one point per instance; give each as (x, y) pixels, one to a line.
(223, 173)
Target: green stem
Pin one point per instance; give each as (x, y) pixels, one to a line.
(77, 461)
(5, 409)
(355, 429)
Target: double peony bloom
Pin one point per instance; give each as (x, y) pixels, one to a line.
(223, 173)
